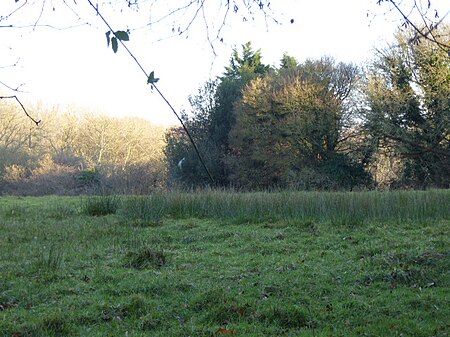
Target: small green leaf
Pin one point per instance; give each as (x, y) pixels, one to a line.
(151, 78)
(107, 37)
(122, 35)
(114, 44)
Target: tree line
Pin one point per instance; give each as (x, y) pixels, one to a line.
(321, 124)
(73, 153)
(312, 125)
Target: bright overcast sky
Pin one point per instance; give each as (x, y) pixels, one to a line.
(74, 66)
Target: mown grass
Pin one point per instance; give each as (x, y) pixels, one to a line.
(226, 264)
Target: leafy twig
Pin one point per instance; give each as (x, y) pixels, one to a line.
(151, 80)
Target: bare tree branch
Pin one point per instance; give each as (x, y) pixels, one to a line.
(7, 16)
(71, 9)
(37, 122)
(17, 89)
(11, 65)
(185, 16)
(208, 37)
(427, 32)
(171, 13)
(46, 26)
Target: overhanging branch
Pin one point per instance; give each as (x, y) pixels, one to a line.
(37, 122)
(157, 90)
(420, 32)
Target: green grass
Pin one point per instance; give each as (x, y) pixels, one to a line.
(100, 205)
(227, 264)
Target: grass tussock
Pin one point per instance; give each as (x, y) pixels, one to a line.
(100, 205)
(50, 259)
(288, 317)
(61, 211)
(143, 211)
(145, 257)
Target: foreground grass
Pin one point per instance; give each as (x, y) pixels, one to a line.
(219, 263)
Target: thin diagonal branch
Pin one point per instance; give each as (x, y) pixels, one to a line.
(443, 46)
(14, 11)
(158, 91)
(37, 122)
(11, 65)
(167, 15)
(208, 37)
(17, 89)
(200, 6)
(40, 14)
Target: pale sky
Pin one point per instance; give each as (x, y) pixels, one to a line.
(74, 66)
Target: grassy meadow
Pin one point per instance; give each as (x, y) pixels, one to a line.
(219, 263)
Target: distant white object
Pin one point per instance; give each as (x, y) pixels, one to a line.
(180, 163)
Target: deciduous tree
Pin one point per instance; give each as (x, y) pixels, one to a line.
(291, 122)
